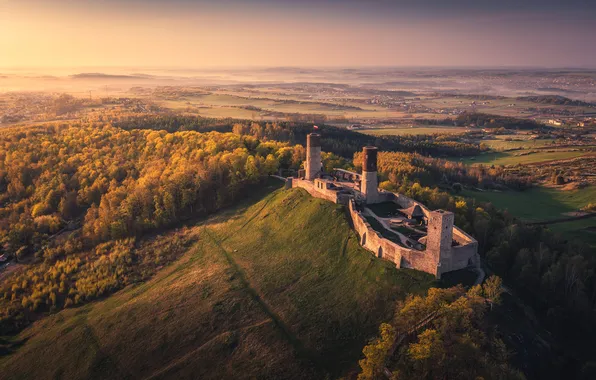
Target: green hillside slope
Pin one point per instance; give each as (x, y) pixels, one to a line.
(276, 289)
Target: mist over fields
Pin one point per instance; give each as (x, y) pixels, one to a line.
(572, 83)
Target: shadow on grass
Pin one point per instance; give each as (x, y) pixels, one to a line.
(8, 345)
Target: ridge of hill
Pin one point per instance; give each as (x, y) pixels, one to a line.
(277, 289)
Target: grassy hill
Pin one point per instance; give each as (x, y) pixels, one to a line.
(276, 289)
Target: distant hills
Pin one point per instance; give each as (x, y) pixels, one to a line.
(110, 76)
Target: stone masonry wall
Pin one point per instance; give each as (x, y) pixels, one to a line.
(309, 186)
(386, 249)
(462, 255)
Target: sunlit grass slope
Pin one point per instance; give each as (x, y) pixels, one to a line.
(276, 289)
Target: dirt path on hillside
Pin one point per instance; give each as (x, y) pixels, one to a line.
(298, 346)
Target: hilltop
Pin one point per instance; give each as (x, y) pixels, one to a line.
(279, 288)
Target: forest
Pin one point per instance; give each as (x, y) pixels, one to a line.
(66, 189)
(555, 99)
(482, 120)
(336, 140)
(556, 277)
(75, 199)
(397, 167)
(456, 343)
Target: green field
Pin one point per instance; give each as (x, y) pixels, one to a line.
(541, 204)
(537, 204)
(522, 157)
(584, 230)
(414, 130)
(223, 105)
(277, 289)
(504, 143)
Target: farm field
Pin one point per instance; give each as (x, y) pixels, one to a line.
(584, 230)
(280, 289)
(500, 143)
(541, 204)
(223, 105)
(527, 156)
(537, 204)
(414, 131)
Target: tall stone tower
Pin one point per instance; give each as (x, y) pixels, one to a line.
(370, 183)
(440, 238)
(313, 164)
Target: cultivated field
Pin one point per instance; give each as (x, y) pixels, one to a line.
(539, 203)
(509, 142)
(543, 204)
(526, 156)
(415, 130)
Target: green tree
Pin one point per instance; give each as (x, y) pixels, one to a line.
(375, 353)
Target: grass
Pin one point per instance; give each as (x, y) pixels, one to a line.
(522, 157)
(537, 204)
(500, 144)
(277, 289)
(541, 204)
(222, 105)
(414, 131)
(584, 230)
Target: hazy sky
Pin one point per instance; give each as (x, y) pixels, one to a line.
(185, 33)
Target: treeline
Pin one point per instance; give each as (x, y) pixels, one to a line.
(173, 123)
(555, 99)
(470, 96)
(399, 167)
(345, 142)
(114, 184)
(482, 120)
(456, 343)
(121, 183)
(445, 121)
(553, 275)
(336, 140)
(70, 276)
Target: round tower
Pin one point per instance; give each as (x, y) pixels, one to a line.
(369, 184)
(313, 165)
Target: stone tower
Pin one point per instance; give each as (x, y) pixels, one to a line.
(369, 185)
(440, 238)
(313, 164)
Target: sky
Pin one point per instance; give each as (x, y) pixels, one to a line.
(305, 33)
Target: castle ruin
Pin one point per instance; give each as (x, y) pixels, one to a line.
(390, 225)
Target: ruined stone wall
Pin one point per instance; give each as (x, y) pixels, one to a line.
(461, 256)
(464, 255)
(420, 260)
(461, 237)
(388, 250)
(309, 186)
(404, 202)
